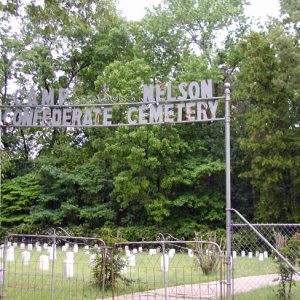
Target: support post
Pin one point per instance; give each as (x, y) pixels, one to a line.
(228, 193)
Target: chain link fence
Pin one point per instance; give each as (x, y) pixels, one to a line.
(261, 272)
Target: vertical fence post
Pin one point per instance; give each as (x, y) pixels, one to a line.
(228, 192)
(53, 265)
(3, 267)
(164, 271)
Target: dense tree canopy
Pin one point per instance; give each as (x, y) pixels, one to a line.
(141, 180)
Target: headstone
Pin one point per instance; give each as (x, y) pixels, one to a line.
(8, 244)
(70, 256)
(92, 260)
(171, 253)
(250, 254)
(86, 247)
(38, 248)
(44, 262)
(67, 246)
(68, 267)
(256, 253)
(234, 254)
(158, 250)
(22, 246)
(190, 252)
(164, 262)
(37, 244)
(131, 260)
(15, 245)
(134, 251)
(140, 249)
(261, 257)
(10, 254)
(29, 247)
(52, 252)
(265, 254)
(123, 269)
(243, 253)
(64, 248)
(128, 253)
(75, 248)
(25, 257)
(45, 246)
(126, 248)
(152, 251)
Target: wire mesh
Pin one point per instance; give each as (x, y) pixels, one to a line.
(258, 271)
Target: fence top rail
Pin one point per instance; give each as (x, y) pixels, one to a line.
(266, 225)
(53, 236)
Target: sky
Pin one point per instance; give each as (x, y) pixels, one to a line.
(134, 9)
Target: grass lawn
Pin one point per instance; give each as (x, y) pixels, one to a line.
(28, 282)
(268, 293)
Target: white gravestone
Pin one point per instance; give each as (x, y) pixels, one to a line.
(68, 268)
(29, 247)
(70, 256)
(45, 246)
(140, 249)
(234, 254)
(52, 252)
(15, 245)
(164, 263)
(261, 257)
(265, 254)
(171, 253)
(191, 252)
(44, 262)
(25, 257)
(75, 248)
(131, 260)
(92, 260)
(134, 251)
(152, 251)
(243, 253)
(123, 269)
(38, 248)
(64, 248)
(10, 255)
(250, 254)
(22, 246)
(128, 253)
(8, 244)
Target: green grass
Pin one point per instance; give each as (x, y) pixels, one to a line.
(29, 282)
(268, 293)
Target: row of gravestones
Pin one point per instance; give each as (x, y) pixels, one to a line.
(151, 252)
(68, 263)
(260, 255)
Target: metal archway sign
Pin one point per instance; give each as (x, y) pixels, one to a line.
(161, 104)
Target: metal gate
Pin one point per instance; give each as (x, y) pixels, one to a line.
(50, 267)
(65, 267)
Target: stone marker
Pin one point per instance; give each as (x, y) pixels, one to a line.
(131, 260)
(164, 262)
(190, 252)
(234, 254)
(92, 260)
(38, 248)
(250, 254)
(25, 257)
(75, 248)
(243, 253)
(134, 251)
(68, 267)
(29, 247)
(10, 254)
(152, 251)
(52, 252)
(171, 253)
(45, 246)
(22, 246)
(265, 254)
(256, 253)
(261, 257)
(123, 269)
(44, 262)
(15, 245)
(70, 256)
(140, 249)
(128, 253)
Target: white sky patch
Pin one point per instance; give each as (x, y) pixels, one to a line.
(134, 10)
